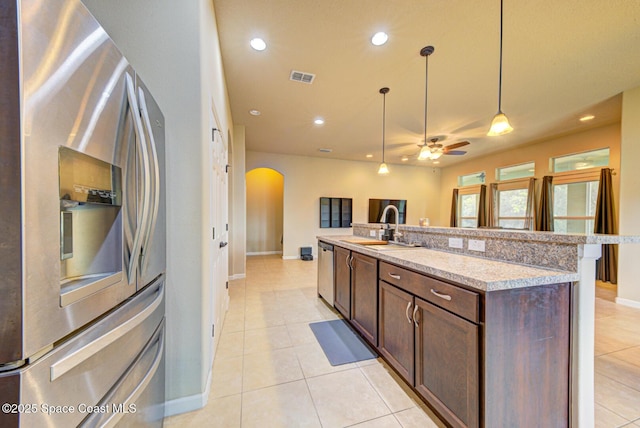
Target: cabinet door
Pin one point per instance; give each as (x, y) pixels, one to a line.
(396, 331)
(342, 292)
(447, 363)
(364, 296)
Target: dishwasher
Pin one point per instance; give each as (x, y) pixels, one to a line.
(325, 272)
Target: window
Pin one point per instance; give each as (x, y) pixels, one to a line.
(468, 210)
(580, 161)
(516, 171)
(471, 179)
(335, 212)
(512, 208)
(574, 206)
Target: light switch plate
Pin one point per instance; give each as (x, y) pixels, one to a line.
(476, 245)
(455, 242)
(372, 233)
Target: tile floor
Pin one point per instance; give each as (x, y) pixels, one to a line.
(269, 370)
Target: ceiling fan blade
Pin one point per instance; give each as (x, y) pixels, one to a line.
(457, 145)
(455, 152)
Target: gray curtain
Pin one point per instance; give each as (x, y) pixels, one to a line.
(530, 214)
(492, 215)
(453, 222)
(544, 219)
(482, 207)
(607, 265)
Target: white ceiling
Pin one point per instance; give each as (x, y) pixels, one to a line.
(562, 59)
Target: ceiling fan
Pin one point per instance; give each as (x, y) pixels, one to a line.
(433, 149)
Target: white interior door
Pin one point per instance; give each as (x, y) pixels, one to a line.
(218, 292)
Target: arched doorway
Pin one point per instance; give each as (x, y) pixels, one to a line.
(265, 202)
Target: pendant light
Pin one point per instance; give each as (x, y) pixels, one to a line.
(500, 124)
(383, 169)
(425, 150)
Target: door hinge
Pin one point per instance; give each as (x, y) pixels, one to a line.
(213, 330)
(227, 227)
(213, 233)
(227, 285)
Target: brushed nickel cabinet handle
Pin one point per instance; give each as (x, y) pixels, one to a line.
(394, 276)
(415, 312)
(442, 296)
(406, 312)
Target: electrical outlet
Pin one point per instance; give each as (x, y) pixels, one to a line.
(476, 245)
(372, 233)
(455, 242)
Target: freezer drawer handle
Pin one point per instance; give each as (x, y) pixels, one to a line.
(135, 394)
(76, 358)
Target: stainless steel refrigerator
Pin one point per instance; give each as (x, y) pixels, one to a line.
(82, 225)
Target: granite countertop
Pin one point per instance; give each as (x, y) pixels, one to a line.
(480, 273)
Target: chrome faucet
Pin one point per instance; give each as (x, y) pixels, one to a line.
(384, 215)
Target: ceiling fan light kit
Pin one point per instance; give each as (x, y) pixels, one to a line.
(383, 169)
(500, 123)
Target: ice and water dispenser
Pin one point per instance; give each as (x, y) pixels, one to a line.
(91, 230)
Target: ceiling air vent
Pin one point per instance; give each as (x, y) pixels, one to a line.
(300, 76)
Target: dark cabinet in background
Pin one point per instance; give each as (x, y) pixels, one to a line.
(364, 296)
(335, 212)
(342, 271)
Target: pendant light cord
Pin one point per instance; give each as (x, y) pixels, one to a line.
(426, 87)
(384, 110)
(500, 74)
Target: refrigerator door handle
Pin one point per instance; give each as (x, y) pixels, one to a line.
(76, 358)
(155, 195)
(134, 395)
(137, 248)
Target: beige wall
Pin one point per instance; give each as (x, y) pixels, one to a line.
(176, 52)
(306, 179)
(238, 207)
(606, 136)
(628, 285)
(265, 199)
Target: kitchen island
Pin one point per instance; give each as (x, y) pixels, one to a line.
(500, 337)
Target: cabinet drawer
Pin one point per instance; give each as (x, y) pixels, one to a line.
(450, 297)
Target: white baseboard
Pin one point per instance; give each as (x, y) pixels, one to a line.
(190, 403)
(628, 302)
(237, 276)
(264, 253)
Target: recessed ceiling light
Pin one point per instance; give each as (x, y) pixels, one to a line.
(254, 112)
(404, 158)
(258, 44)
(380, 38)
(436, 162)
(587, 118)
(319, 121)
(325, 150)
(369, 155)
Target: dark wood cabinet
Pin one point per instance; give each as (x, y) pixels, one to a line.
(433, 349)
(364, 296)
(342, 281)
(477, 358)
(396, 338)
(447, 364)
